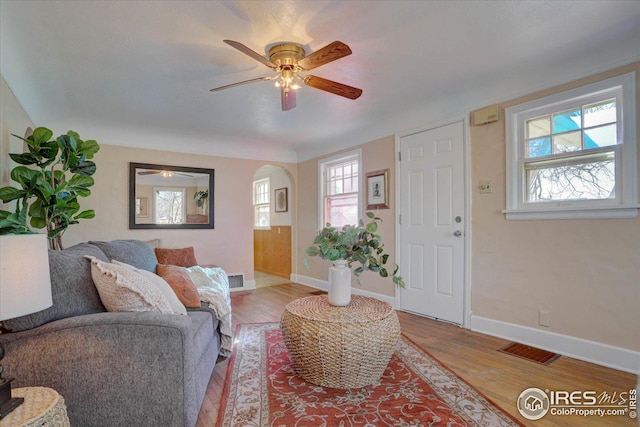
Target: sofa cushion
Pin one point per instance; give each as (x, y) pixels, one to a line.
(124, 289)
(133, 252)
(184, 257)
(161, 285)
(179, 280)
(72, 288)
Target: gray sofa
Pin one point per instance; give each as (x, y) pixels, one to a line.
(113, 369)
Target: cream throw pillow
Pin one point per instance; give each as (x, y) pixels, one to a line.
(162, 285)
(122, 289)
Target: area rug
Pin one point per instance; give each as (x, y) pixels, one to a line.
(263, 389)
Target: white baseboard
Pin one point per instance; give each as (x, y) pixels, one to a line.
(324, 285)
(590, 351)
(248, 285)
(310, 281)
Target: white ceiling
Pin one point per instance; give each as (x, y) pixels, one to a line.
(138, 73)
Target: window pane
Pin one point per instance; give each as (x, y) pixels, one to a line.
(262, 216)
(341, 210)
(567, 142)
(342, 178)
(576, 181)
(603, 136)
(566, 121)
(540, 126)
(169, 207)
(261, 189)
(539, 147)
(600, 113)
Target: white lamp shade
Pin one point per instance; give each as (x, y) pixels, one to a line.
(25, 284)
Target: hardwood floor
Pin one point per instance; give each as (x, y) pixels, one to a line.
(472, 356)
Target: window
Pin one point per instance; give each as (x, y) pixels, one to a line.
(169, 205)
(261, 205)
(340, 188)
(573, 154)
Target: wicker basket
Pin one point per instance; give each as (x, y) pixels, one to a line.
(340, 347)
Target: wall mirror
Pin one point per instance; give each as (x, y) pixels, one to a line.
(162, 196)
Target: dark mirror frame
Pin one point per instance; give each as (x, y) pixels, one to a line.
(132, 196)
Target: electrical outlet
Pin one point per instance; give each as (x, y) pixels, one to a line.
(544, 318)
(485, 187)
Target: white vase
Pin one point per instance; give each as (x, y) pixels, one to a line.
(339, 283)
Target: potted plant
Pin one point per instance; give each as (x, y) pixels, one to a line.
(200, 197)
(353, 244)
(48, 193)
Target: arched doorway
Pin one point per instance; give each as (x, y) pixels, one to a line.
(273, 220)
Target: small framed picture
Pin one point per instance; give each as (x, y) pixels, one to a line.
(378, 189)
(282, 200)
(142, 210)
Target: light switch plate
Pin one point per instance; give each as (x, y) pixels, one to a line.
(485, 187)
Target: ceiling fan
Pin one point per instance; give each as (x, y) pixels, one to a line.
(165, 174)
(288, 60)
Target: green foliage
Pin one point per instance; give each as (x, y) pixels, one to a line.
(60, 172)
(354, 243)
(200, 197)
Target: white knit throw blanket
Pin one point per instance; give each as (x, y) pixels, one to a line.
(213, 287)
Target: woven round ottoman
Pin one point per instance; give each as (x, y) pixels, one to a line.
(340, 347)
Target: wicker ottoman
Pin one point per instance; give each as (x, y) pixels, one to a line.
(340, 347)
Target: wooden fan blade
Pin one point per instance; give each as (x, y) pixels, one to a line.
(288, 96)
(148, 172)
(259, 79)
(331, 52)
(333, 87)
(247, 51)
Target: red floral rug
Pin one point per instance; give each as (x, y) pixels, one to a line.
(263, 389)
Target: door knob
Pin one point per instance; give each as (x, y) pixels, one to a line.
(457, 233)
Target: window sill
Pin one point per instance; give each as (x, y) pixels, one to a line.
(262, 228)
(608, 212)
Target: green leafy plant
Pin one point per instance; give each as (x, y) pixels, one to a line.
(200, 197)
(48, 194)
(354, 243)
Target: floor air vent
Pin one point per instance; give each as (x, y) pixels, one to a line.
(530, 353)
(236, 281)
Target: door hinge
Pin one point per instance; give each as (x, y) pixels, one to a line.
(399, 156)
(400, 219)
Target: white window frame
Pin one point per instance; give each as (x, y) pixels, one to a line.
(323, 164)
(257, 205)
(182, 190)
(625, 204)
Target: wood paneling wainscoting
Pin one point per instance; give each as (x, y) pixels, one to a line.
(272, 250)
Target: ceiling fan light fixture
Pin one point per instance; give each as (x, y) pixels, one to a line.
(287, 60)
(286, 54)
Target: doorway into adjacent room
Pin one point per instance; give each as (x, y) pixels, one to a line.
(272, 204)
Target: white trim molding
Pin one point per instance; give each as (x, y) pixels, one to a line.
(623, 203)
(590, 351)
(249, 285)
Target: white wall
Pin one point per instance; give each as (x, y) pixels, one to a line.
(13, 120)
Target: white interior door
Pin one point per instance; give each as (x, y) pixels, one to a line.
(432, 235)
